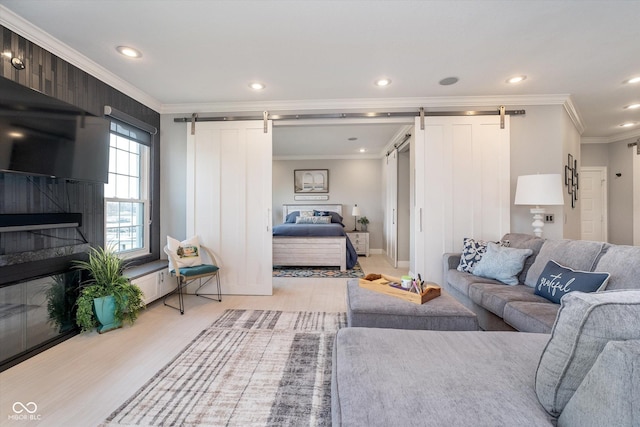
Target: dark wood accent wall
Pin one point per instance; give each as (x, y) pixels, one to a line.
(23, 194)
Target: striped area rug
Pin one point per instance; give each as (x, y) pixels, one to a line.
(249, 368)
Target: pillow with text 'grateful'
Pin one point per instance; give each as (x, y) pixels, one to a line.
(556, 280)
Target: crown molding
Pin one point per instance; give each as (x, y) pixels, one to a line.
(36, 35)
(610, 139)
(574, 114)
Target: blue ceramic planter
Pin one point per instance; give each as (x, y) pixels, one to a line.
(105, 309)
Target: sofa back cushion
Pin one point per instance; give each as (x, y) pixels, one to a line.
(585, 324)
(621, 262)
(609, 394)
(575, 254)
(524, 241)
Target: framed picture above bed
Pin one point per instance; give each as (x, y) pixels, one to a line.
(311, 180)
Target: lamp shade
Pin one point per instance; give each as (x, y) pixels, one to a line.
(539, 190)
(355, 211)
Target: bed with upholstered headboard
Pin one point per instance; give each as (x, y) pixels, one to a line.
(312, 236)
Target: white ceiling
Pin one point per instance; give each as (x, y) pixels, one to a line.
(201, 55)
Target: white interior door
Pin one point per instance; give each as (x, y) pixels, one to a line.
(229, 200)
(593, 203)
(391, 210)
(462, 186)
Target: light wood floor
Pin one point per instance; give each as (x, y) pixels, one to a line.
(82, 380)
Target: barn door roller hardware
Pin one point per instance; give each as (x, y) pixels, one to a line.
(422, 113)
(635, 144)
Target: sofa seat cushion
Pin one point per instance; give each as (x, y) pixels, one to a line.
(621, 262)
(460, 281)
(390, 377)
(531, 316)
(586, 322)
(609, 394)
(494, 297)
(575, 254)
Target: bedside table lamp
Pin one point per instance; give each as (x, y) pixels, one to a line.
(537, 190)
(356, 213)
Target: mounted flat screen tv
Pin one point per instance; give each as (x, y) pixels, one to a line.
(40, 135)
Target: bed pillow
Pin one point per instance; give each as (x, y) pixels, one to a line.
(501, 263)
(556, 280)
(291, 218)
(335, 216)
(186, 253)
(313, 220)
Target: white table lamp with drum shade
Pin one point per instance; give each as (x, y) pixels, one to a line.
(539, 190)
(356, 213)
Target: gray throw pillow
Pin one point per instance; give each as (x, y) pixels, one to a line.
(585, 324)
(556, 281)
(501, 263)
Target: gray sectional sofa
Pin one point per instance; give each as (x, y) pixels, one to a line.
(503, 307)
(578, 366)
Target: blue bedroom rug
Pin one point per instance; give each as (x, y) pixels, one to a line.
(249, 368)
(326, 272)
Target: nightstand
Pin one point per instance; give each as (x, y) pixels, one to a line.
(360, 241)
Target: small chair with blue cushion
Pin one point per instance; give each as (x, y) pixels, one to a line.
(188, 274)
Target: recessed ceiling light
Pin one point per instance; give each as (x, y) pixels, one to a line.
(129, 51)
(448, 81)
(256, 86)
(362, 150)
(632, 107)
(353, 138)
(633, 80)
(516, 79)
(383, 82)
(628, 124)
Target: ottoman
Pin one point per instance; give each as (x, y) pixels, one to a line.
(366, 308)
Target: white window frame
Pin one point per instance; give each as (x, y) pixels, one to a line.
(145, 186)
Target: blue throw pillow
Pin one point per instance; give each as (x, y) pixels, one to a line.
(501, 263)
(555, 281)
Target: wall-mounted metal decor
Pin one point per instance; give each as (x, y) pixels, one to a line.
(571, 179)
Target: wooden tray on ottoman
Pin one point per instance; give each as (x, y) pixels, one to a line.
(381, 285)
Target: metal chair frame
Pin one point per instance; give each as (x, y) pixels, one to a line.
(183, 281)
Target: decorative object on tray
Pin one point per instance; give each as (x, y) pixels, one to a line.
(311, 180)
(418, 292)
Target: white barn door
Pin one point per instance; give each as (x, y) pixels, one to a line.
(462, 186)
(229, 200)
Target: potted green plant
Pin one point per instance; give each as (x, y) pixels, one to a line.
(107, 297)
(61, 300)
(363, 220)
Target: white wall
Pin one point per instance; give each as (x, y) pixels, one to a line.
(571, 144)
(618, 158)
(350, 182)
(173, 179)
(537, 147)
